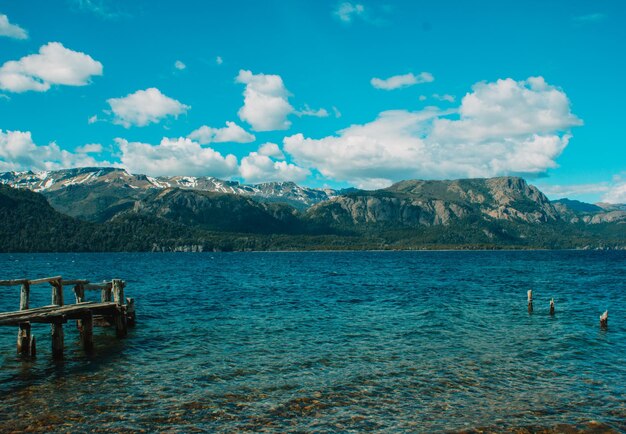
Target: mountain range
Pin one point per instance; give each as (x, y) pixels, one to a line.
(112, 209)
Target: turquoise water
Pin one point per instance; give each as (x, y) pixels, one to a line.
(320, 342)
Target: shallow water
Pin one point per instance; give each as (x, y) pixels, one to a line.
(329, 341)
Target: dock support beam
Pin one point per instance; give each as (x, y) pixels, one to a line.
(86, 332)
(57, 326)
(23, 334)
(130, 311)
(121, 327)
(57, 340)
(530, 301)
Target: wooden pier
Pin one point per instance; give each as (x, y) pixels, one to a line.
(112, 309)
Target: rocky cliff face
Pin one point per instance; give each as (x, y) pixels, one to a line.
(216, 211)
(428, 203)
(574, 211)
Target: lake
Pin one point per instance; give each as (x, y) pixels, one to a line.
(329, 341)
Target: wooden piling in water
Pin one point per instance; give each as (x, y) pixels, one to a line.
(552, 306)
(24, 331)
(86, 332)
(106, 293)
(57, 339)
(120, 315)
(604, 320)
(130, 311)
(56, 328)
(530, 300)
(86, 313)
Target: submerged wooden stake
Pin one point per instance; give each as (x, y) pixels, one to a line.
(552, 307)
(604, 319)
(530, 301)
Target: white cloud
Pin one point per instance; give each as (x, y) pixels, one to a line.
(261, 168)
(92, 119)
(400, 81)
(423, 97)
(347, 11)
(505, 127)
(613, 191)
(219, 60)
(89, 148)
(271, 150)
(180, 156)
(54, 64)
(573, 190)
(144, 107)
(230, 133)
(19, 152)
(308, 111)
(11, 30)
(616, 194)
(336, 112)
(444, 97)
(179, 65)
(266, 104)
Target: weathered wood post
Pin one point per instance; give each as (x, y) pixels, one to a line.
(23, 334)
(130, 311)
(86, 332)
(552, 306)
(604, 320)
(106, 292)
(120, 310)
(79, 292)
(57, 325)
(118, 291)
(530, 301)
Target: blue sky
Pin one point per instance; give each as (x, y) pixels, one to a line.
(324, 93)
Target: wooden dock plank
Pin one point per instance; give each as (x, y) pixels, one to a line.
(13, 282)
(50, 314)
(45, 280)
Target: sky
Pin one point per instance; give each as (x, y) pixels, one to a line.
(323, 93)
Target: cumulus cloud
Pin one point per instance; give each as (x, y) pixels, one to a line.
(400, 81)
(346, 11)
(230, 133)
(54, 64)
(19, 152)
(271, 150)
(261, 168)
(144, 107)
(11, 30)
(180, 156)
(179, 65)
(266, 104)
(219, 60)
(503, 127)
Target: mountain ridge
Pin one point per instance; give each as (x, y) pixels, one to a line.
(462, 213)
